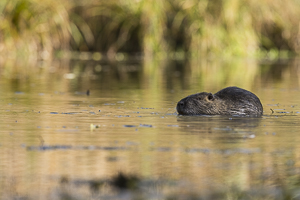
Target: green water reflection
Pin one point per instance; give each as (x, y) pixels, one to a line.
(51, 129)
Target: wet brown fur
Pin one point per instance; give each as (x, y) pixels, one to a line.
(228, 101)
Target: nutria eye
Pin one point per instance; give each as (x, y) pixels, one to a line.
(210, 97)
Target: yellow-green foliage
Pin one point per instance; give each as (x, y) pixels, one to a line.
(197, 27)
(31, 26)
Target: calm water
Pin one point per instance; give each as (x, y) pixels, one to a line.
(52, 131)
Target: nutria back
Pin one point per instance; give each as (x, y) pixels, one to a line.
(228, 101)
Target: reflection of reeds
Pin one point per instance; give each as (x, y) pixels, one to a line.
(203, 27)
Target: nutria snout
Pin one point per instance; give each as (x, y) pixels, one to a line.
(228, 101)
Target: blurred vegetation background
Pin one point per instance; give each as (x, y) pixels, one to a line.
(247, 28)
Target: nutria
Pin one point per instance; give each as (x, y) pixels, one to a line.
(228, 101)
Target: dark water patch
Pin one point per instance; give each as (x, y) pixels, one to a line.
(113, 148)
(71, 113)
(83, 93)
(197, 150)
(129, 126)
(154, 113)
(238, 151)
(109, 104)
(210, 151)
(65, 113)
(125, 186)
(162, 149)
(19, 92)
(171, 125)
(223, 151)
(122, 116)
(123, 181)
(54, 113)
(175, 113)
(48, 147)
(144, 108)
(146, 125)
(69, 147)
(112, 159)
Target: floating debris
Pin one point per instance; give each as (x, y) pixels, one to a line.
(92, 126)
(129, 126)
(54, 113)
(251, 136)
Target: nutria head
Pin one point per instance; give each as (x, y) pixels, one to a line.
(199, 104)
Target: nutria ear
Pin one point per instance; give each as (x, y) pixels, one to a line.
(210, 97)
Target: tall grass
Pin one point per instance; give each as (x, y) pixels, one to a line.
(154, 28)
(33, 27)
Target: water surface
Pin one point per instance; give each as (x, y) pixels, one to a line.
(51, 130)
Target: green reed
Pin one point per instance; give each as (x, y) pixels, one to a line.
(154, 28)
